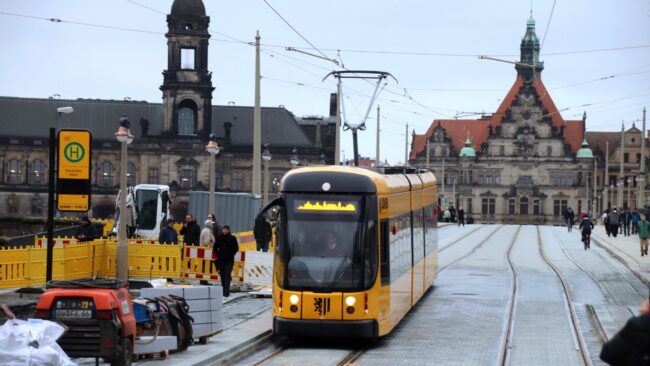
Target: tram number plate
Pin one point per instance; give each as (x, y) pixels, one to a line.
(73, 314)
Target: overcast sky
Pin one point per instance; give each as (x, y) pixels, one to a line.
(432, 50)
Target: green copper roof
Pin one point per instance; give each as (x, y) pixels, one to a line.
(468, 150)
(530, 35)
(585, 152)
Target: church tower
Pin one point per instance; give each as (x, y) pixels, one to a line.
(529, 52)
(187, 85)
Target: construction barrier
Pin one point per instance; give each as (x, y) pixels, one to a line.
(258, 269)
(26, 266)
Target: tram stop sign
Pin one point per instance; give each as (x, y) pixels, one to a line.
(73, 170)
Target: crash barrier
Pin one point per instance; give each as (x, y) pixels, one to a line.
(258, 269)
(26, 266)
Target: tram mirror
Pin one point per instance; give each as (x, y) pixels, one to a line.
(273, 204)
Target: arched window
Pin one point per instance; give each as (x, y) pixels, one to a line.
(186, 116)
(106, 174)
(37, 172)
(130, 174)
(14, 172)
(523, 206)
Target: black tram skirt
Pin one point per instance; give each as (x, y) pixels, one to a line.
(326, 328)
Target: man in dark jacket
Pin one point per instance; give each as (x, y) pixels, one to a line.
(225, 247)
(614, 221)
(262, 233)
(631, 345)
(168, 233)
(86, 231)
(569, 216)
(191, 231)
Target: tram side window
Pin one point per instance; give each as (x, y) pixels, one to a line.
(384, 255)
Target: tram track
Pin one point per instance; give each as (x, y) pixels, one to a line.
(581, 343)
(472, 251)
(512, 302)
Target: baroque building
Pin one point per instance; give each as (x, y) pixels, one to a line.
(170, 137)
(522, 164)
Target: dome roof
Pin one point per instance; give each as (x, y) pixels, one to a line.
(585, 152)
(188, 7)
(468, 150)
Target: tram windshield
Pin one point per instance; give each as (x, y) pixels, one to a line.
(330, 242)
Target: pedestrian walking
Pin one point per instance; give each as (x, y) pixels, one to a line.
(225, 247)
(191, 231)
(446, 215)
(644, 234)
(461, 216)
(452, 213)
(614, 221)
(207, 240)
(631, 345)
(627, 219)
(569, 216)
(262, 233)
(216, 227)
(586, 225)
(86, 231)
(168, 234)
(635, 221)
(606, 222)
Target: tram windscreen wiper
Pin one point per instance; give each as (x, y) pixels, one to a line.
(348, 265)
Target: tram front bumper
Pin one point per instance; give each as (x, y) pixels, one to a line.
(325, 328)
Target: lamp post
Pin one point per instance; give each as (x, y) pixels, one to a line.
(50, 191)
(266, 156)
(213, 149)
(294, 158)
(123, 135)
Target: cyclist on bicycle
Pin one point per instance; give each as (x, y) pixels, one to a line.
(568, 218)
(586, 225)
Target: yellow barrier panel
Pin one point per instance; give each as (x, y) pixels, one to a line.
(26, 266)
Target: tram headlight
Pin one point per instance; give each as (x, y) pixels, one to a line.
(293, 299)
(350, 301)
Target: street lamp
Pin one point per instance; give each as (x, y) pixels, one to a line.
(213, 149)
(294, 158)
(266, 156)
(123, 135)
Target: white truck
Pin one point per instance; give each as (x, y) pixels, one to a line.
(147, 210)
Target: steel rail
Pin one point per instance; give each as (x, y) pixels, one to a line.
(582, 344)
(507, 339)
(444, 268)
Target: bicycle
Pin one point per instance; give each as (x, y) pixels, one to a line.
(586, 239)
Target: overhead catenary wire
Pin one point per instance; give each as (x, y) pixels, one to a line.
(548, 24)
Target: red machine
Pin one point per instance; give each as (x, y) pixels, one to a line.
(99, 317)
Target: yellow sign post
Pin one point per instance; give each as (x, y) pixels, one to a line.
(73, 170)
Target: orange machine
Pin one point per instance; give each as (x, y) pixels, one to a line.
(99, 317)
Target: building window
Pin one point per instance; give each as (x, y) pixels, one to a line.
(187, 178)
(237, 181)
(488, 178)
(487, 206)
(561, 178)
(13, 172)
(549, 150)
(37, 172)
(469, 206)
(106, 174)
(626, 158)
(536, 207)
(559, 207)
(432, 152)
(511, 206)
(480, 178)
(130, 174)
(638, 158)
(218, 179)
(502, 150)
(523, 206)
(153, 176)
(185, 121)
(187, 58)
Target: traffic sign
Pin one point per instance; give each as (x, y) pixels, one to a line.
(73, 170)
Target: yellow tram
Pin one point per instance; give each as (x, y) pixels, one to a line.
(355, 252)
